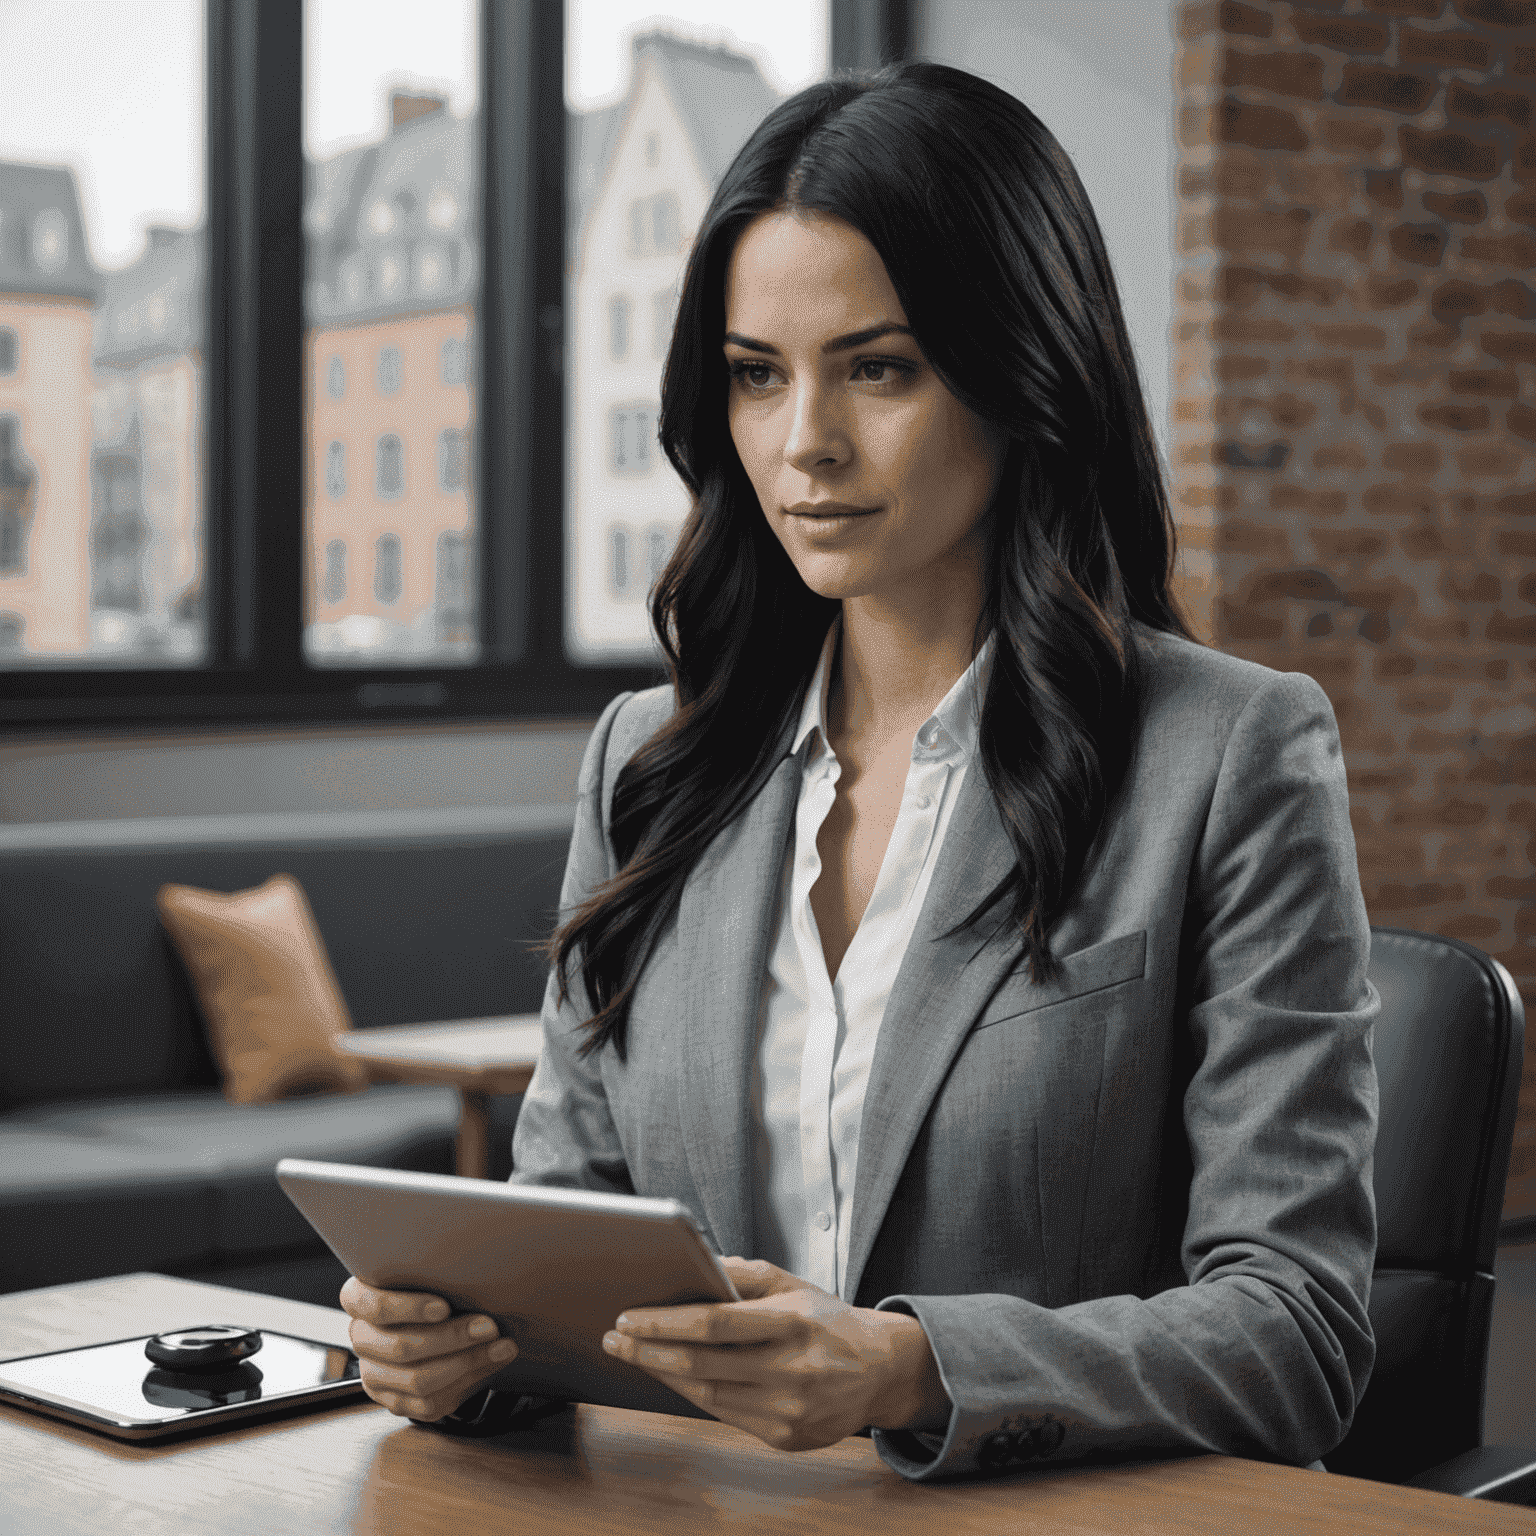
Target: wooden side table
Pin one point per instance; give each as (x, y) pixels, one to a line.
(479, 1057)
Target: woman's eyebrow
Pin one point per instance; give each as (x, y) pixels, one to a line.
(837, 344)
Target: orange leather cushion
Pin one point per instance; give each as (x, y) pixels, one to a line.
(266, 989)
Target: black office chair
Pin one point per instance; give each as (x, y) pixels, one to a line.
(1449, 1045)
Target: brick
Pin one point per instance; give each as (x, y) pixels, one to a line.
(1403, 898)
(1428, 9)
(1317, 183)
(1483, 588)
(1234, 369)
(1521, 420)
(1449, 154)
(1393, 90)
(1411, 458)
(1282, 231)
(1412, 370)
(1357, 338)
(1350, 133)
(1512, 297)
(1223, 498)
(1479, 106)
(1286, 74)
(1376, 292)
(1342, 543)
(1508, 250)
(1239, 623)
(1291, 412)
(1522, 546)
(1240, 328)
(1456, 300)
(1495, 460)
(1399, 501)
(1340, 456)
(1498, 13)
(1497, 383)
(1458, 207)
(1517, 631)
(1297, 286)
(1389, 666)
(1455, 418)
(1236, 537)
(1196, 20)
(1241, 122)
(1460, 50)
(1241, 174)
(1519, 504)
(1423, 543)
(1297, 498)
(1352, 236)
(1344, 36)
(1508, 888)
(1300, 584)
(1521, 208)
(1522, 59)
(1422, 244)
(1525, 162)
(1470, 925)
(1441, 336)
(1385, 188)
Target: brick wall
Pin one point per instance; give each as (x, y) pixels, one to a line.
(1354, 421)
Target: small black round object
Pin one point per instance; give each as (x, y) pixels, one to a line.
(203, 1389)
(215, 1347)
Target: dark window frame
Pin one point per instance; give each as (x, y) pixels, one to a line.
(254, 550)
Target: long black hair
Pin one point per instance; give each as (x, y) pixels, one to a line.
(994, 252)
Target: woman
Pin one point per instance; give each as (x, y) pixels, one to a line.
(955, 936)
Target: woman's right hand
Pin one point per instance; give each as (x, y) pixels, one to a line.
(413, 1358)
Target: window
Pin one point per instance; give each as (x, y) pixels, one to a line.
(12, 627)
(386, 568)
(390, 369)
(631, 439)
(658, 550)
(335, 470)
(333, 587)
(663, 306)
(391, 472)
(206, 500)
(618, 327)
(18, 491)
(451, 459)
(621, 565)
(9, 350)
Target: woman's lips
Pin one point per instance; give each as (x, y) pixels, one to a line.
(827, 511)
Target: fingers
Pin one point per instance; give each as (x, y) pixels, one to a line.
(757, 1277)
(387, 1308)
(428, 1391)
(702, 1363)
(721, 1322)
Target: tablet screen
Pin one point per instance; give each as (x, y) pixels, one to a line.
(117, 1384)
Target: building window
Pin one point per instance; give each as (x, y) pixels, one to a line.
(618, 326)
(12, 628)
(451, 455)
(387, 580)
(631, 439)
(18, 488)
(455, 362)
(653, 149)
(336, 470)
(621, 564)
(391, 370)
(119, 529)
(50, 240)
(10, 350)
(335, 379)
(391, 472)
(658, 550)
(655, 225)
(661, 321)
(333, 586)
(453, 601)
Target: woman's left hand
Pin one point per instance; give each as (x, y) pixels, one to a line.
(788, 1363)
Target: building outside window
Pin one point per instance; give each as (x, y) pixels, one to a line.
(333, 586)
(618, 327)
(455, 362)
(335, 379)
(10, 350)
(621, 568)
(12, 628)
(336, 470)
(391, 468)
(387, 571)
(452, 456)
(658, 550)
(391, 370)
(18, 497)
(453, 601)
(662, 308)
(631, 439)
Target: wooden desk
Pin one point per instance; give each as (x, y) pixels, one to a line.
(479, 1057)
(596, 1470)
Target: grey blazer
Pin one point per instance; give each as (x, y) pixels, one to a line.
(1132, 1208)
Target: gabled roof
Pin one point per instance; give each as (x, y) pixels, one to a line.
(42, 233)
(153, 307)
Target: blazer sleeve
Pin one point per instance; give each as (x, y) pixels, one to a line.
(565, 1135)
(1266, 1350)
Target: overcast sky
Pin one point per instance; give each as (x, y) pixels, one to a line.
(114, 88)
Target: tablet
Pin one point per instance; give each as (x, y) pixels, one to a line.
(118, 1389)
(553, 1267)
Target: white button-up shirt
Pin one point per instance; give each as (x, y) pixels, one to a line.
(816, 1035)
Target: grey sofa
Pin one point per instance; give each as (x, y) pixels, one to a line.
(118, 1152)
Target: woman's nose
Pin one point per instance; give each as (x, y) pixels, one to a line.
(818, 438)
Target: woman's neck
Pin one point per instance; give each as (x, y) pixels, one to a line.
(894, 666)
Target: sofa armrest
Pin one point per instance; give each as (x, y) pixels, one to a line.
(1505, 1474)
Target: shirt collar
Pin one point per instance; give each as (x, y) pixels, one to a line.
(958, 716)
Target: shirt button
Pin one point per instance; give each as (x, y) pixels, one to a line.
(823, 1221)
(923, 802)
(928, 735)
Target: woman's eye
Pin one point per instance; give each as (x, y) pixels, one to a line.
(885, 372)
(757, 375)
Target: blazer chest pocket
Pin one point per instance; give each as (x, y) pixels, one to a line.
(1095, 969)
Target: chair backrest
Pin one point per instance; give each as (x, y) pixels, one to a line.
(1448, 1045)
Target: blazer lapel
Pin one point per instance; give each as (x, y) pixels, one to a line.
(941, 986)
(726, 911)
